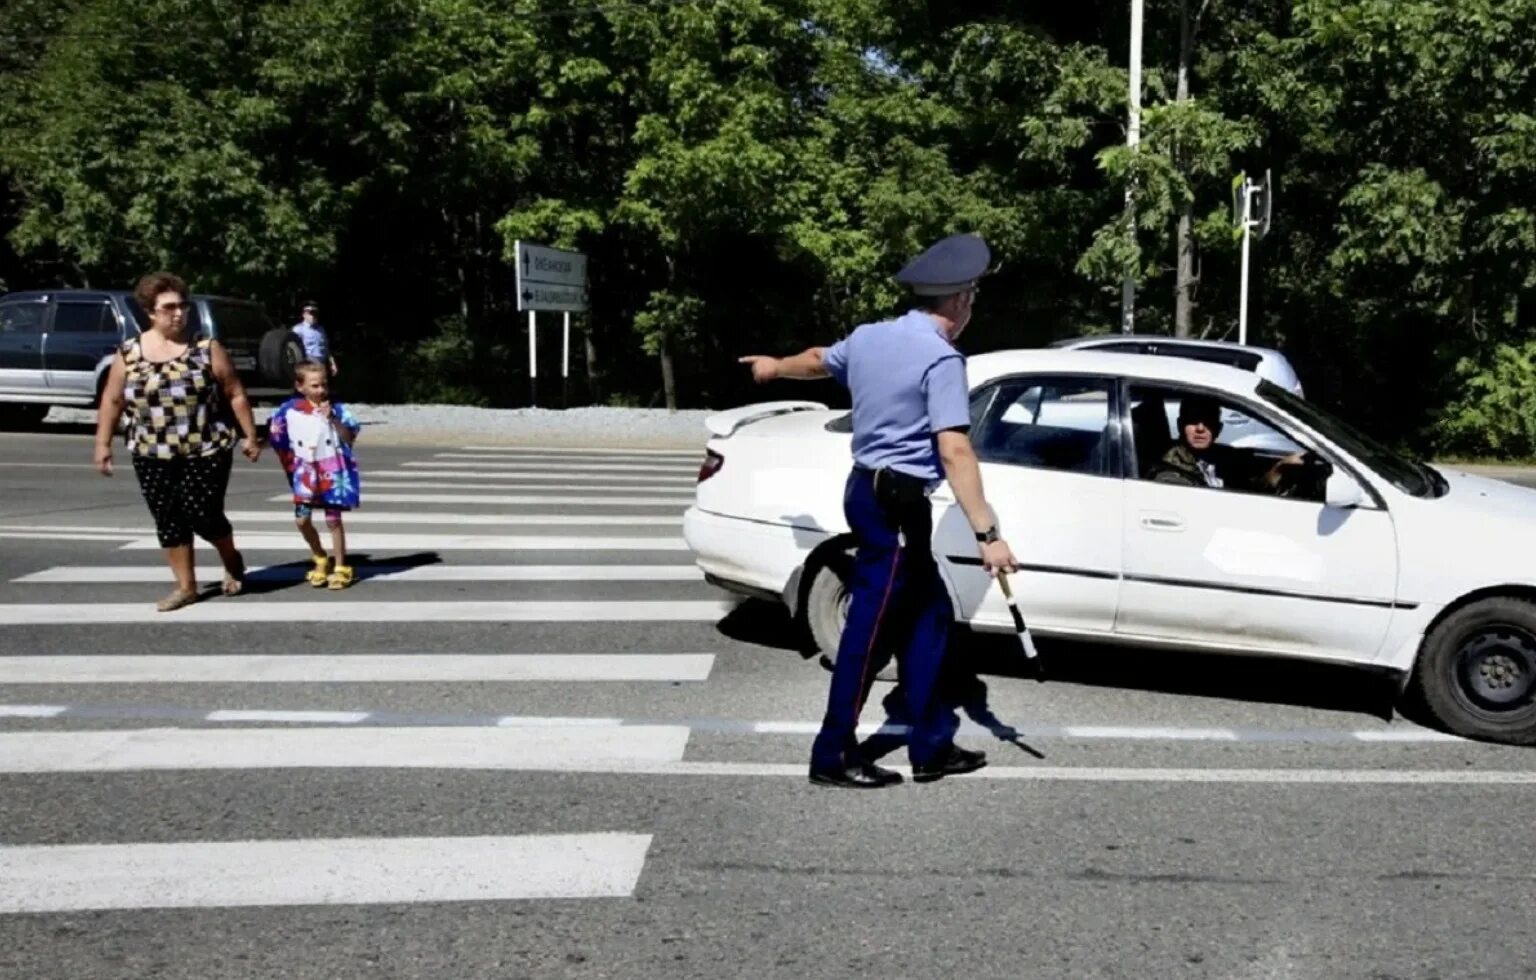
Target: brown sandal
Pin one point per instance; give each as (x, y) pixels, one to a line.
(176, 600)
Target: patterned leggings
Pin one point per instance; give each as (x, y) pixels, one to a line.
(186, 496)
(304, 512)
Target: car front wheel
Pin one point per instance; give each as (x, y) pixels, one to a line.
(1477, 671)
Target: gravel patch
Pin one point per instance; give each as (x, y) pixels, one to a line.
(463, 425)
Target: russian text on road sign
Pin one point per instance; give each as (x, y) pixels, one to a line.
(550, 278)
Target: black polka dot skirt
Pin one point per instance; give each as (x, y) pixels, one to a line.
(185, 495)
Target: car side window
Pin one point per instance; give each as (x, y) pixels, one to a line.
(84, 318)
(22, 318)
(1234, 454)
(1046, 423)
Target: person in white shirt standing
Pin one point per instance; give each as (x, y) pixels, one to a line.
(317, 346)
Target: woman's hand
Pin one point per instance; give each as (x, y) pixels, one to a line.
(252, 449)
(103, 459)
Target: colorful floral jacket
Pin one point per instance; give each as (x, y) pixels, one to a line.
(319, 463)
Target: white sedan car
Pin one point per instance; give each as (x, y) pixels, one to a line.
(1360, 557)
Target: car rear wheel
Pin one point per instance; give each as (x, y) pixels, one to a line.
(826, 601)
(1477, 671)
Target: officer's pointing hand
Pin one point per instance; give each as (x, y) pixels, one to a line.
(763, 368)
(996, 557)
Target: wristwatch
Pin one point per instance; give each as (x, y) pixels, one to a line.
(988, 536)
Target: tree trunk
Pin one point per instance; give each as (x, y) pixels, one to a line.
(668, 382)
(1184, 277)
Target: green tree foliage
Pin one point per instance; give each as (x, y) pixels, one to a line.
(748, 174)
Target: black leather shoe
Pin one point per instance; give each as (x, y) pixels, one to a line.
(863, 776)
(955, 762)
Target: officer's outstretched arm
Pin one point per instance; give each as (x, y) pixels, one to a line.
(808, 365)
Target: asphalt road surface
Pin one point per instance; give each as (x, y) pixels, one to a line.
(532, 742)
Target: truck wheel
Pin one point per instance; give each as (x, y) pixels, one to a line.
(1477, 671)
(15, 415)
(279, 351)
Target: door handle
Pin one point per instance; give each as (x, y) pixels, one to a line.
(942, 498)
(1162, 522)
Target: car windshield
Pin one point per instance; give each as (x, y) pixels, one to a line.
(1407, 475)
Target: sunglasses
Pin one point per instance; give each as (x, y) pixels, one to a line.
(173, 307)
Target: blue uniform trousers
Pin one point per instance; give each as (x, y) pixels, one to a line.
(898, 605)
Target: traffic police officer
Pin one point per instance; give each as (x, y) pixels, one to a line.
(911, 420)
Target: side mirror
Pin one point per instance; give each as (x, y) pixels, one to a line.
(1342, 492)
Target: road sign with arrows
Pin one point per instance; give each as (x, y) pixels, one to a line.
(550, 279)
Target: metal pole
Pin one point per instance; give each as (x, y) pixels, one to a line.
(1133, 139)
(565, 363)
(533, 361)
(1242, 288)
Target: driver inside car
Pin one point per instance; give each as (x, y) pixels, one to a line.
(1197, 460)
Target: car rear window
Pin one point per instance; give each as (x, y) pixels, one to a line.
(1246, 360)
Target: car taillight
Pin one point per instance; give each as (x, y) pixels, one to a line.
(711, 465)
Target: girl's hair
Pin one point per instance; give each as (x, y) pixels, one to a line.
(305, 367)
(154, 284)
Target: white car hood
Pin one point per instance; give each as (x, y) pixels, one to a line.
(1484, 497)
(1489, 525)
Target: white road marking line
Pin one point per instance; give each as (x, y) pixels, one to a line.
(306, 717)
(1411, 735)
(349, 668)
(31, 710)
(544, 466)
(447, 491)
(126, 574)
(59, 536)
(584, 451)
(75, 529)
(533, 721)
(589, 480)
(1090, 774)
(526, 748)
(341, 871)
(1154, 733)
(384, 541)
(376, 496)
(408, 517)
(268, 613)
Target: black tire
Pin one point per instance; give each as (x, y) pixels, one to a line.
(825, 609)
(17, 415)
(280, 350)
(1477, 671)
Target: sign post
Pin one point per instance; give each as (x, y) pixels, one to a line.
(1249, 226)
(555, 280)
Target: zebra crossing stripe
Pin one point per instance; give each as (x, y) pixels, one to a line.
(342, 871)
(387, 541)
(133, 574)
(594, 480)
(543, 466)
(562, 500)
(347, 668)
(534, 452)
(510, 748)
(416, 517)
(265, 612)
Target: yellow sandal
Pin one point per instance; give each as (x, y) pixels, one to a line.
(340, 578)
(318, 575)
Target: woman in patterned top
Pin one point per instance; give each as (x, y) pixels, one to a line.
(171, 386)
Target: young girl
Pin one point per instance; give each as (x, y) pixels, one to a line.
(313, 440)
